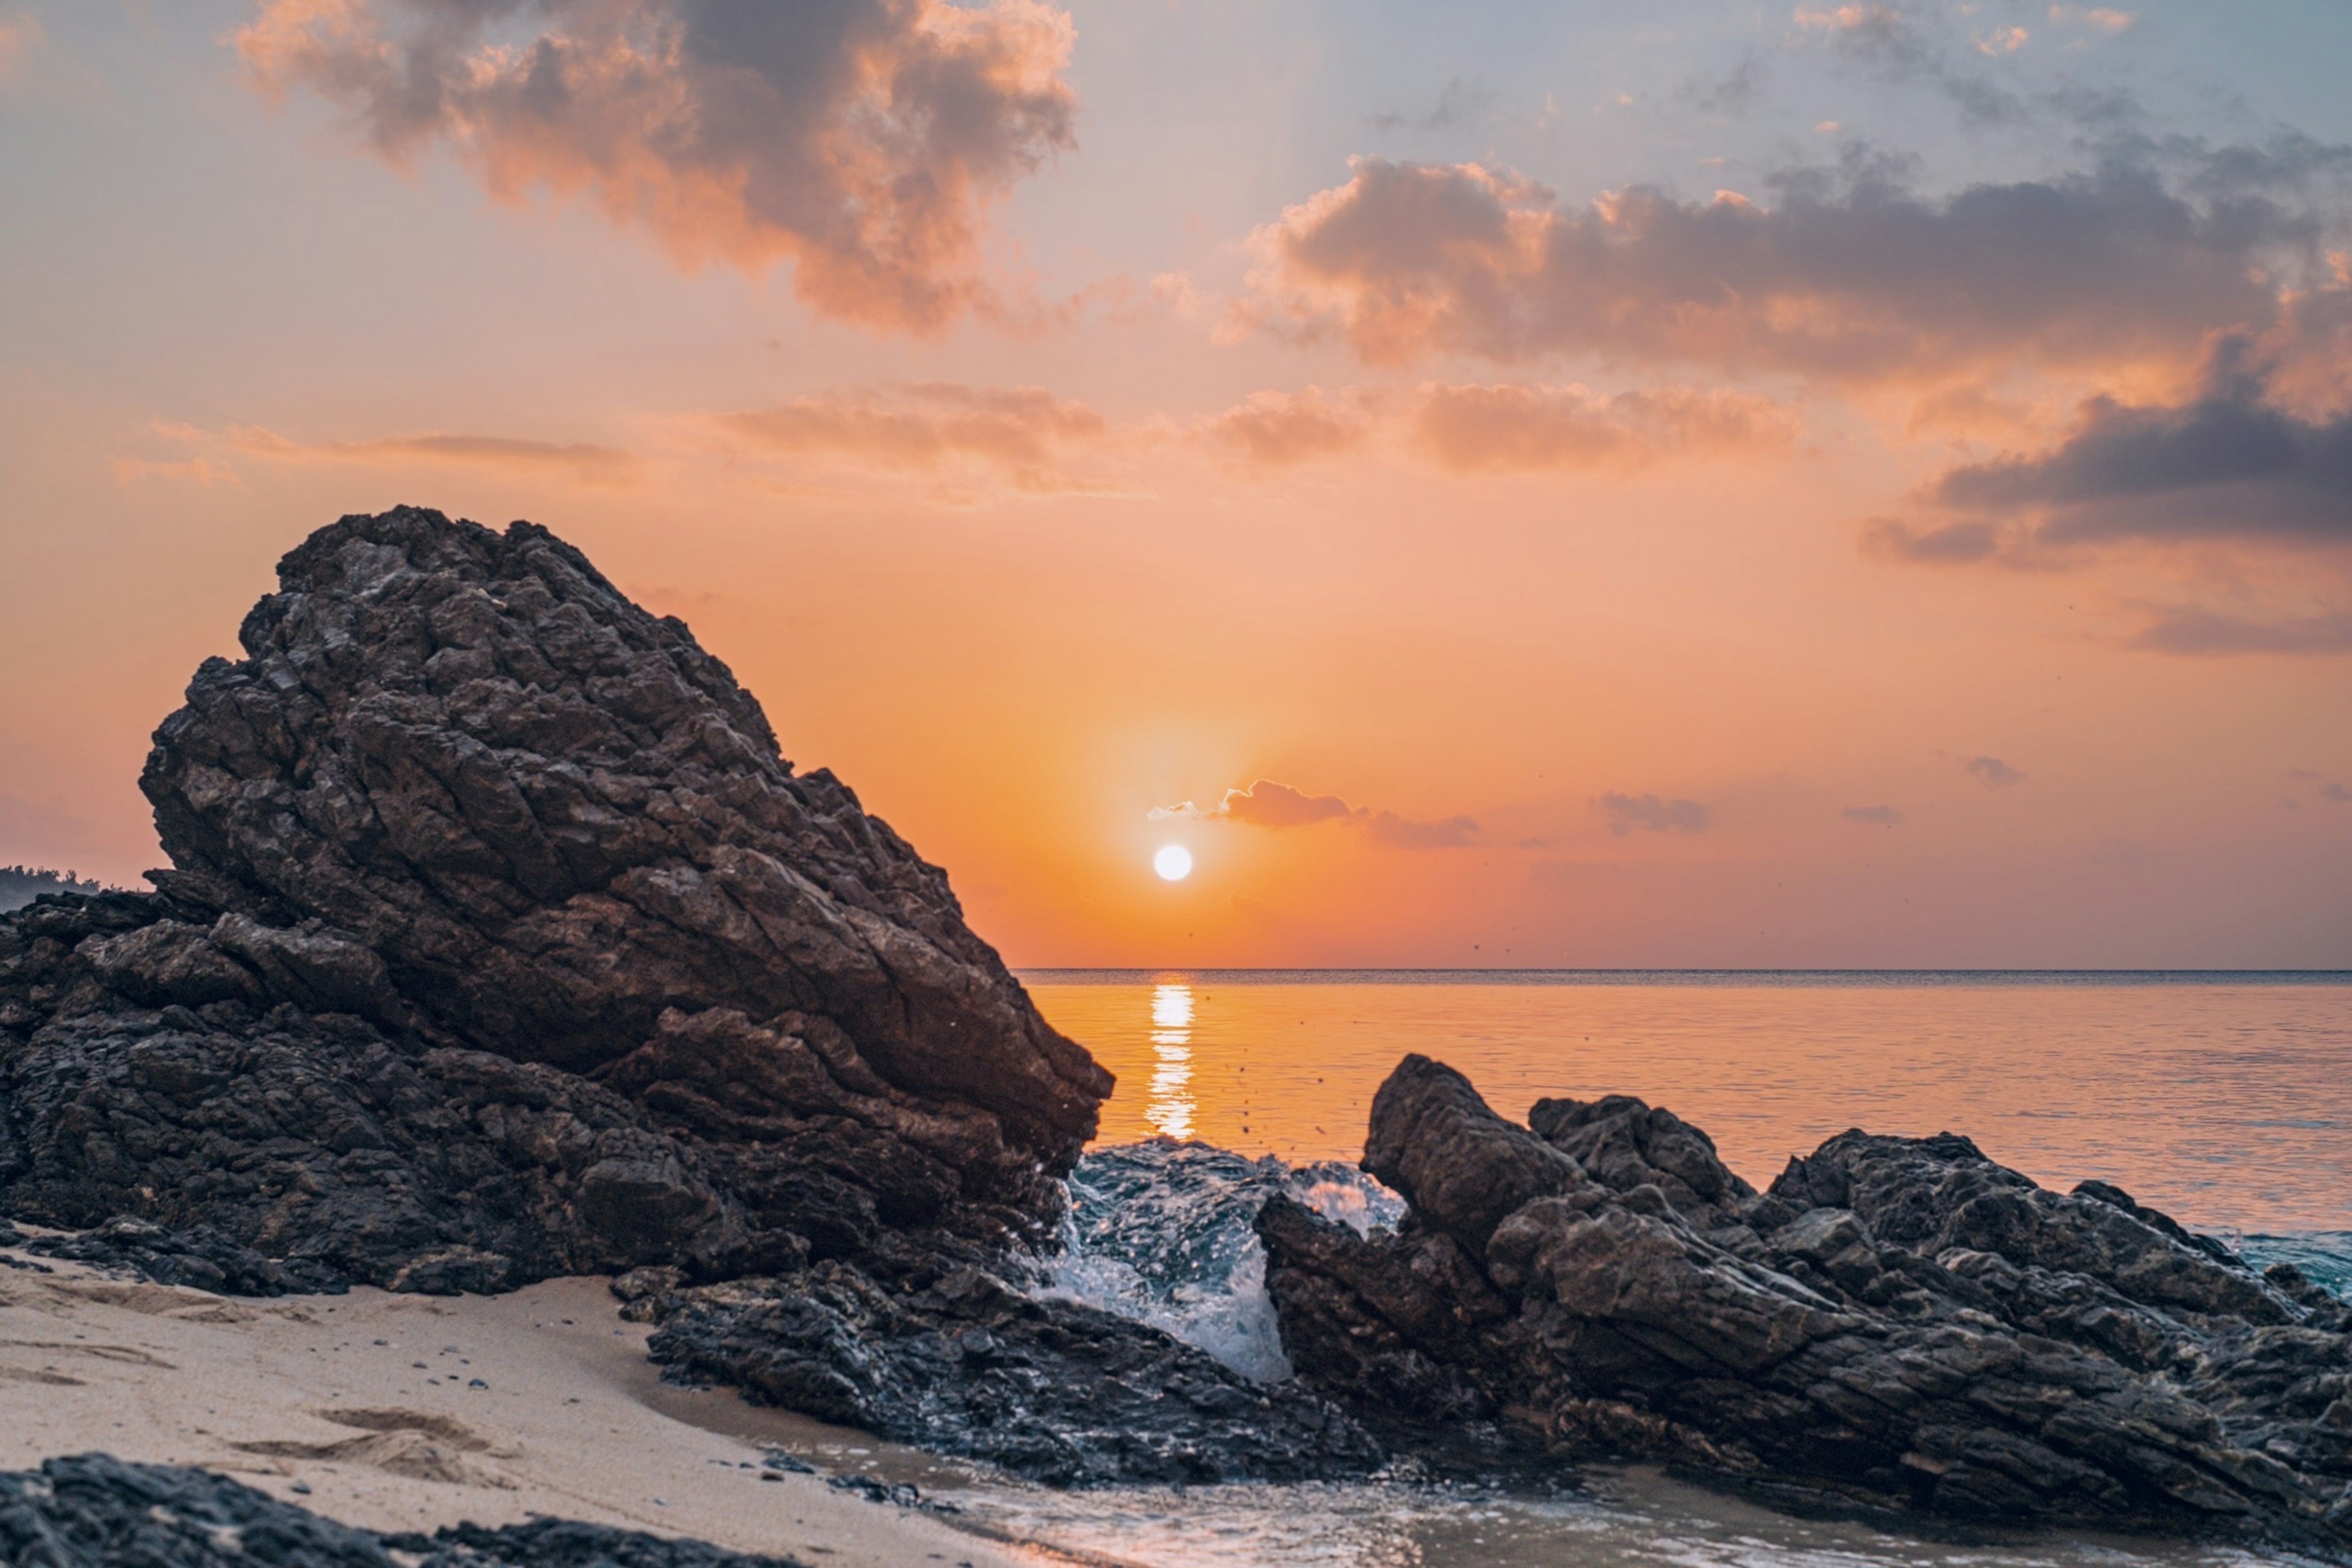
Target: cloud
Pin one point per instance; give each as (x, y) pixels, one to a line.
(1628, 812)
(1022, 432)
(1400, 833)
(2195, 632)
(1852, 276)
(1953, 544)
(863, 139)
(1873, 816)
(1992, 773)
(1468, 429)
(588, 462)
(1276, 429)
(1267, 804)
(1502, 426)
(2227, 464)
(1458, 103)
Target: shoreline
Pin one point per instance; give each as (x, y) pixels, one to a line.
(319, 1402)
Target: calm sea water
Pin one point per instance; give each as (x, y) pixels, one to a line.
(2225, 1099)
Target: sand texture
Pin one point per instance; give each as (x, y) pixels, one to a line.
(403, 1412)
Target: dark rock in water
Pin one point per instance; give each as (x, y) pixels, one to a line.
(928, 1348)
(1894, 1322)
(91, 1510)
(501, 942)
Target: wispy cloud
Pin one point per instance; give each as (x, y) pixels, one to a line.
(1503, 426)
(587, 462)
(1652, 814)
(1470, 428)
(2195, 632)
(861, 140)
(1873, 816)
(1269, 804)
(1992, 773)
(1024, 434)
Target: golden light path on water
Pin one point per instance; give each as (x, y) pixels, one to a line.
(2229, 1103)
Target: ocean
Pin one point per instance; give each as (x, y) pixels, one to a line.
(2224, 1098)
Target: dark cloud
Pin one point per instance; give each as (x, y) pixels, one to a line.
(862, 139)
(2227, 464)
(1873, 816)
(1992, 773)
(1267, 804)
(1648, 812)
(2189, 630)
(1851, 273)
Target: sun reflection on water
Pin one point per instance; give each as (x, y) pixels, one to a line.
(1170, 1110)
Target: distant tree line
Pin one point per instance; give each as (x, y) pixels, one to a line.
(20, 885)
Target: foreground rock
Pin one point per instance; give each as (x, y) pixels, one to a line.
(91, 1510)
(942, 1352)
(1897, 1322)
(501, 942)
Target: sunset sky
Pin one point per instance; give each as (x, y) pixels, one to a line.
(1686, 484)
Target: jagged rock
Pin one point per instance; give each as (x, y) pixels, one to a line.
(92, 1511)
(935, 1349)
(501, 942)
(1895, 1321)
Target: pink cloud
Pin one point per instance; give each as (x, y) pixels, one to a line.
(862, 141)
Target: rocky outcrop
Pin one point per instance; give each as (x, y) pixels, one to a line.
(929, 1348)
(502, 941)
(91, 1510)
(1896, 1322)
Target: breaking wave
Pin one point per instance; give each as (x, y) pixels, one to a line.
(1163, 1231)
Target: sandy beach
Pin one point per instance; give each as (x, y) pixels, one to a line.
(403, 1412)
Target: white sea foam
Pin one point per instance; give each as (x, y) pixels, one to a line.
(1162, 1232)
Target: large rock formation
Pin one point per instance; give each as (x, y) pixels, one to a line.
(500, 942)
(1898, 1323)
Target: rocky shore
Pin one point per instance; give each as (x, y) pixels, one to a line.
(500, 943)
(1898, 1324)
(90, 1510)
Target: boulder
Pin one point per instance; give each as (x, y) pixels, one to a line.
(501, 941)
(1894, 1324)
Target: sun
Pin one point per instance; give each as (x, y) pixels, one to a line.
(1174, 862)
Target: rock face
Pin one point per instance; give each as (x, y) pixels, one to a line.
(929, 1348)
(1896, 1322)
(91, 1510)
(500, 942)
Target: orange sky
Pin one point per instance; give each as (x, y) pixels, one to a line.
(1845, 487)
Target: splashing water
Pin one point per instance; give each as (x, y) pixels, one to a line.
(1162, 1232)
